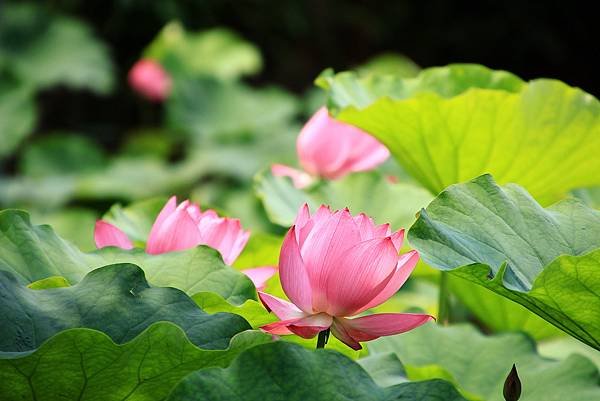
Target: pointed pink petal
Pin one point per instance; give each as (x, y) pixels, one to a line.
(105, 234)
(293, 274)
(299, 178)
(339, 331)
(382, 230)
(194, 211)
(328, 240)
(279, 328)
(398, 239)
(224, 234)
(368, 153)
(405, 266)
(310, 326)
(176, 233)
(305, 327)
(238, 246)
(165, 212)
(284, 310)
(321, 147)
(360, 274)
(303, 216)
(367, 227)
(260, 275)
(370, 327)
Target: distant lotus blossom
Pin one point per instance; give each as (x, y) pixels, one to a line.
(185, 226)
(332, 149)
(334, 266)
(149, 79)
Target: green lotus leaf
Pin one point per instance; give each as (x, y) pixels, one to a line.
(452, 129)
(499, 237)
(479, 364)
(33, 253)
(370, 193)
(283, 371)
(360, 90)
(85, 364)
(253, 311)
(116, 300)
(217, 52)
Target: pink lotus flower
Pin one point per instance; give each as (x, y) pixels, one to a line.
(334, 266)
(332, 149)
(183, 227)
(149, 79)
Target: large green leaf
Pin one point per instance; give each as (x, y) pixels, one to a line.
(499, 313)
(282, 371)
(545, 259)
(370, 193)
(217, 52)
(84, 364)
(36, 252)
(17, 114)
(45, 49)
(360, 90)
(116, 300)
(441, 141)
(480, 364)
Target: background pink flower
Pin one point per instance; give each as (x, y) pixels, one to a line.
(333, 266)
(149, 79)
(185, 226)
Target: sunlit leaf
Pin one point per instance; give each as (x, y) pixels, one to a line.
(501, 238)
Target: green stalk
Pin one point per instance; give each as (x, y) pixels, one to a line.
(444, 300)
(323, 337)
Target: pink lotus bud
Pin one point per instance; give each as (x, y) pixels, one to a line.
(333, 266)
(332, 149)
(149, 79)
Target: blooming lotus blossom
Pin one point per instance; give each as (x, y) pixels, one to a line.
(185, 226)
(332, 149)
(149, 79)
(334, 266)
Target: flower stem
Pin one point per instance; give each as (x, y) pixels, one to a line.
(444, 300)
(323, 337)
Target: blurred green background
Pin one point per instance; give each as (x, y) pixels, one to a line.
(73, 133)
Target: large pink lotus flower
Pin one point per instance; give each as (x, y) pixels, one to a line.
(332, 149)
(149, 79)
(333, 266)
(183, 227)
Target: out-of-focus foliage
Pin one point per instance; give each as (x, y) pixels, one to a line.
(45, 49)
(218, 52)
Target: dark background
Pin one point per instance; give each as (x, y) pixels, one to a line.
(298, 39)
